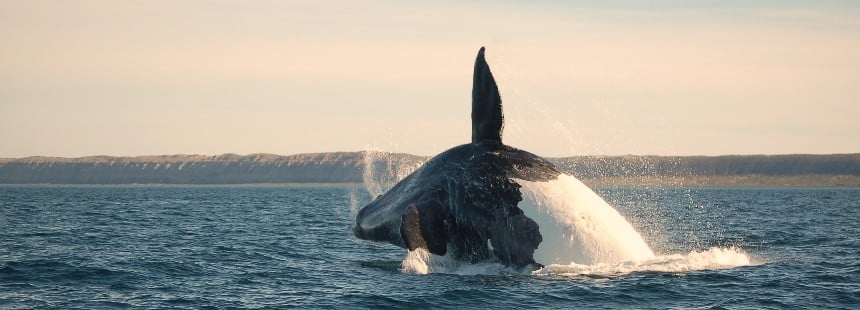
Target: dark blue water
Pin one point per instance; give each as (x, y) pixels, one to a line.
(280, 246)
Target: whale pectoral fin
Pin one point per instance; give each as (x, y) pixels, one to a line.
(424, 227)
(410, 229)
(515, 240)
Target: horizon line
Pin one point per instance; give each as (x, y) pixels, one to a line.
(404, 153)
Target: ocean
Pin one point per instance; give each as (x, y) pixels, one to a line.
(281, 246)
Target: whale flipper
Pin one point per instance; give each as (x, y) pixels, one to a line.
(424, 228)
(487, 118)
(515, 240)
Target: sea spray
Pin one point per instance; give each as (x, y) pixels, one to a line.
(711, 259)
(355, 202)
(578, 226)
(417, 261)
(382, 170)
(420, 261)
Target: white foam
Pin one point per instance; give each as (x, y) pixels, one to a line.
(711, 259)
(419, 261)
(422, 262)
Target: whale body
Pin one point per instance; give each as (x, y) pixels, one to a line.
(464, 201)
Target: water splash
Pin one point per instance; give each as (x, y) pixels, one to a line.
(382, 170)
(420, 261)
(355, 203)
(711, 259)
(578, 226)
(583, 235)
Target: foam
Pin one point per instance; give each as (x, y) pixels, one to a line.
(422, 262)
(710, 259)
(419, 261)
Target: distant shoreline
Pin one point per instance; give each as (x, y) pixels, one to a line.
(293, 184)
(349, 169)
(723, 182)
(747, 181)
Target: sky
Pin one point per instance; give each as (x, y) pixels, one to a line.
(126, 78)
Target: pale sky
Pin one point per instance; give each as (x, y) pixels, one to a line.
(124, 78)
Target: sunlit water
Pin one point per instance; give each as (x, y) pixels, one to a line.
(280, 246)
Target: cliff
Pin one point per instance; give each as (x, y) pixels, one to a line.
(348, 167)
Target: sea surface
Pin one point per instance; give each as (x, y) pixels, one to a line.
(291, 246)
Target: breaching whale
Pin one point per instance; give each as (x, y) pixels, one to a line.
(464, 202)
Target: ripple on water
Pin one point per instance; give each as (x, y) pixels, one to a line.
(275, 247)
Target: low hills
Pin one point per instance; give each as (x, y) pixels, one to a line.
(349, 167)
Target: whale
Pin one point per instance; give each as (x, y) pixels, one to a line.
(463, 203)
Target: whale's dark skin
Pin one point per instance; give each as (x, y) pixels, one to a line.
(464, 197)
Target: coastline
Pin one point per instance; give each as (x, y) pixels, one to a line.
(751, 181)
(350, 168)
